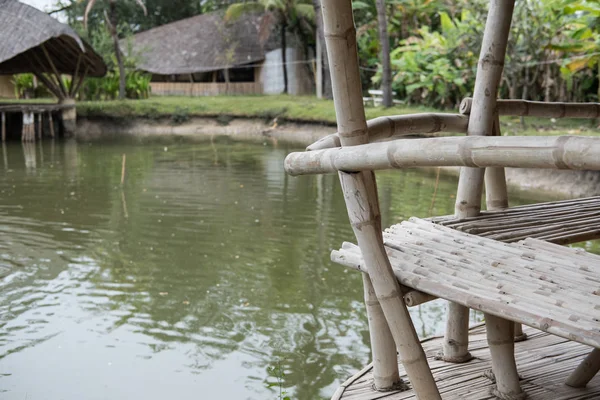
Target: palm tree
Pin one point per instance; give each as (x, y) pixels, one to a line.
(287, 15)
(112, 23)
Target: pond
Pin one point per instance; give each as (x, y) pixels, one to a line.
(206, 275)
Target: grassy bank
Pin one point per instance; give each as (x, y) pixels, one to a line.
(290, 108)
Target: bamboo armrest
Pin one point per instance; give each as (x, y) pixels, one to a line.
(558, 152)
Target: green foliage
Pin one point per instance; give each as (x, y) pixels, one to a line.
(279, 375)
(25, 88)
(437, 68)
(137, 86)
(180, 115)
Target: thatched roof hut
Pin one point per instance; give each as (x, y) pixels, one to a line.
(205, 55)
(198, 44)
(32, 41)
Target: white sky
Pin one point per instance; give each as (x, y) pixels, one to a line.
(43, 5)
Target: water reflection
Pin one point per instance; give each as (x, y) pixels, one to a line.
(205, 269)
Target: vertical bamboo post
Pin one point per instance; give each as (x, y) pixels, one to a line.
(360, 194)
(51, 123)
(481, 122)
(496, 194)
(500, 336)
(39, 126)
(3, 127)
(585, 371)
(483, 109)
(4, 155)
(385, 359)
(28, 131)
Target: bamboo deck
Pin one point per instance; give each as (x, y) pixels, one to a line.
(544, 361)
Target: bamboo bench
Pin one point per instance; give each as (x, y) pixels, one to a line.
(529, 281)
(533, 282)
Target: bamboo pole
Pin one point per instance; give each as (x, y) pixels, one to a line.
(525, 108)
(123, 169)
(28, 131)
(386, 128)
(585, 371)
(496, 194)
(360, 194)
(500, 336)
(51, 123)
(3, 126)
(39, 126)
(61, 84)
(553, 152)
(4, 156)
(481, 118)
(384, 360)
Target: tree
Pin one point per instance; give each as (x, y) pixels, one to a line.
(112, 23)
(386, 67)
(286, 15)
(322, 48)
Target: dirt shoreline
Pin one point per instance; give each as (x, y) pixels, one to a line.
(568, 184)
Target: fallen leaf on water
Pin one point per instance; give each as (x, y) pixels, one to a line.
(163, 293)
(186, 302)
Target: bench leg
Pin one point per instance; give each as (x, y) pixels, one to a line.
(519, 334)
(455, 347)
(383, 347)
(585, 371)
(500, 336)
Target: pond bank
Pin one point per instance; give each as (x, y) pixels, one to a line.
(557, 182)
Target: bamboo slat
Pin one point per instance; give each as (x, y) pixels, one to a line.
(561, 222)
(532, 282)
(544, 361)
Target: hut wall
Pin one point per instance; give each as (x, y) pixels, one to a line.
(204, 89)
(271, 74)
(7, 89)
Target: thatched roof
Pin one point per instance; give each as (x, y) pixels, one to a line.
(198, 44)
(26, 31)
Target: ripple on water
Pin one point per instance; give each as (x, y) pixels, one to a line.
(207, 269)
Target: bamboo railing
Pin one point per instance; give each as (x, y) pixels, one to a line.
(525, 108)
(397, 126)
(554, 152)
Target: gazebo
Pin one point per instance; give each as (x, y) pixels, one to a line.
(34, 42)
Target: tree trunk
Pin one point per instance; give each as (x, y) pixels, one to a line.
(113, 32)
(226, 76)
(325, 75)
(284, 57)
(386, 76)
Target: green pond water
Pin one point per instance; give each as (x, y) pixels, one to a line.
(206, 276)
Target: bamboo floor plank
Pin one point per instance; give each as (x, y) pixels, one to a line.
(544, 362)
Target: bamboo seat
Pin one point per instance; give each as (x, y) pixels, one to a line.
(533, 282)
(561, 222)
